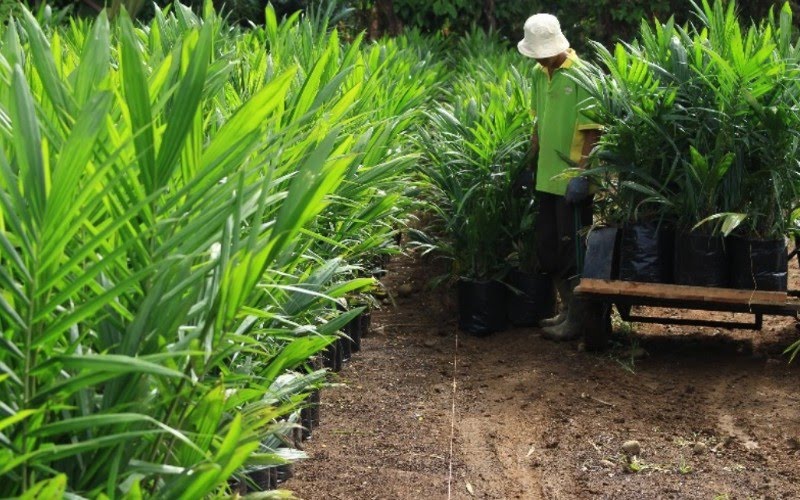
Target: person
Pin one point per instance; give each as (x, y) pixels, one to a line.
(563, 137)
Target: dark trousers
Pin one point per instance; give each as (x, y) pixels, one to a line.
(555, 234)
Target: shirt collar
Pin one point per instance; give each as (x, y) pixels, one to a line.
(571, 59)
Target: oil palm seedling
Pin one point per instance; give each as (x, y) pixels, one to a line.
(163, 197)
(472, 149)
(474, 146)
(637, 158)
(753, 78)
(532, 293)
(698, 119)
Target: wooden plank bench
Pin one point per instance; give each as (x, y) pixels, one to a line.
(625, 294)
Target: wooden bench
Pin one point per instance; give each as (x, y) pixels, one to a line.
(626, 294)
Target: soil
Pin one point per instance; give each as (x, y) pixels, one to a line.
(715, 413)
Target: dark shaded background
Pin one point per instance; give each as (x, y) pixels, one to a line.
(605, 21)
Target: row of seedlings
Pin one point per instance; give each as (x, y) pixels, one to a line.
(172, 244)
(362, 222)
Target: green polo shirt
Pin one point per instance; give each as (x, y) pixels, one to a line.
(556, 108)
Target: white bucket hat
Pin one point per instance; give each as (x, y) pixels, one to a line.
(543, 37)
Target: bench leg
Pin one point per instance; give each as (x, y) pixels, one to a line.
(598, 327)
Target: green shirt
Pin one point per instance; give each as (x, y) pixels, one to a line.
(556, 107)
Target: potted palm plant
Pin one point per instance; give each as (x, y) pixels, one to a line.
(470, 215)
(473, 144)
(701, 133)
(700, 250)
(753, 74)
(636, 159)
(532, 296)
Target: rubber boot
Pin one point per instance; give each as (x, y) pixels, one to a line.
(581, 312)
(565, 293)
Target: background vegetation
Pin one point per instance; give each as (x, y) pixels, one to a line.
(605, 21)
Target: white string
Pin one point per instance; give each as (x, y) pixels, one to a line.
(453, 421)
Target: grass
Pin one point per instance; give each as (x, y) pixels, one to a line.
(624, 344)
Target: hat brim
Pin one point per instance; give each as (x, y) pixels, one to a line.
(543, 51)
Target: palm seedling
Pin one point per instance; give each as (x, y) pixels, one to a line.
(161, 195)
(698, 120)
(474, 147)
(719, 100)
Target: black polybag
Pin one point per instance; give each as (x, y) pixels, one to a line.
(758, 264)
(701, 260)
(353, 330)
(531, 299)
(646, 253)
(481, 306)
(599, 261)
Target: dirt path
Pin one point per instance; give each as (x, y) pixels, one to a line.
(716, 414)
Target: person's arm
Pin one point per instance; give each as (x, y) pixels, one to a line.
(533, 154)
(578, 188)
(534, 150)
(590, 138)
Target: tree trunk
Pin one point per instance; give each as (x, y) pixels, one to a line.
(384, 20)
(489, 12)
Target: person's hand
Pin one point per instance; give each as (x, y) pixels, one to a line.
(535, 144)
(523, 184)
(577, 190)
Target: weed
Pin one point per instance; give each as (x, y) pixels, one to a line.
(635, 464)
(623, 351)
(625, 328)
(683, 467)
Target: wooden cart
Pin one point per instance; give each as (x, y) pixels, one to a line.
(626, 294)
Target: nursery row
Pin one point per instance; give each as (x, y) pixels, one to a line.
(700, 135)
(190, 212)
(302, 423)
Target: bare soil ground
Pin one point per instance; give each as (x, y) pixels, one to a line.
(716, 413)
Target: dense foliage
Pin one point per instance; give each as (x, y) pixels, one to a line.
(184, 205)
(701, 122)
(474, 148)
(606, 21)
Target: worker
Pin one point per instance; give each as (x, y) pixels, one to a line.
(563, 137)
